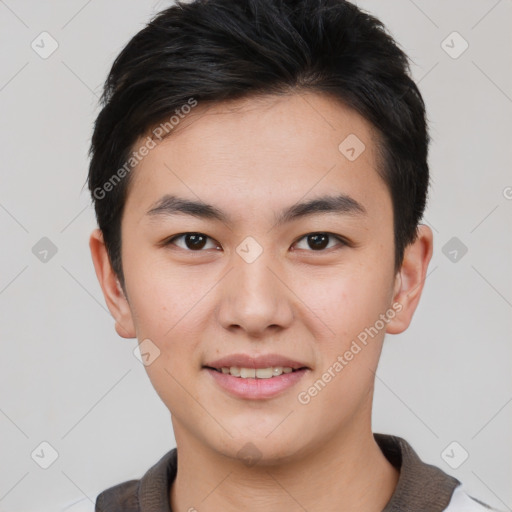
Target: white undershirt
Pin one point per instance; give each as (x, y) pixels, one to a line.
(461, 502)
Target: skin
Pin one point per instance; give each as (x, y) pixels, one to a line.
(253, 158)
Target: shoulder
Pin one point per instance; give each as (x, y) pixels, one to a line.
(462, 502)
(121, 497)
(423, 486)
(149, 492)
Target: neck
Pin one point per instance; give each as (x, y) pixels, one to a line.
(349, 470)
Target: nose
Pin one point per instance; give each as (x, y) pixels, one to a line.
(255, 298)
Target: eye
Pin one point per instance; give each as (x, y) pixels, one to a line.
(192, 241)
(195, 242)
(320, 241)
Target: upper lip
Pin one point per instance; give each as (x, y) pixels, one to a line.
(255, 361)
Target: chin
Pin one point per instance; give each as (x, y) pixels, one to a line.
(259, 449)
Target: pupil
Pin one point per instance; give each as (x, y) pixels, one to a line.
(195, 241)
(318, 241)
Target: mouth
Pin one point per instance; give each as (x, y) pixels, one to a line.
(255, 373)
(255, 377)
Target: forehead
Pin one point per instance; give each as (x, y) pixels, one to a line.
(262, 151)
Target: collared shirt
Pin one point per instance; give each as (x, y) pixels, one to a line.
(421, 487)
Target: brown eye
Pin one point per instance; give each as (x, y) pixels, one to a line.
(191, 241)
(320, 241)
(195, 241)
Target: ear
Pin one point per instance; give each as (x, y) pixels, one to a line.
(115, 298)
(410, 279)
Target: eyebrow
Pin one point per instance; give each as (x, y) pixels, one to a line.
(170, 205)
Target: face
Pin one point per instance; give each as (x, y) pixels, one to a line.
(288, 260)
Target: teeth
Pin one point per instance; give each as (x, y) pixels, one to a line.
(247, 372)
(263, 373)
(259, 373)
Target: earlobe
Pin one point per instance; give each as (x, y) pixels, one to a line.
(410, 279)
(115, 298)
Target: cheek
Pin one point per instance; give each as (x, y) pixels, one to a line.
(168, 311)
(348, 301)
(162, 298)
(350, 306)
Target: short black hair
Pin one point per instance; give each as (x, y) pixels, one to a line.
(218, 50)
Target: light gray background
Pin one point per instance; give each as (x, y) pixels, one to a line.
(65, 376)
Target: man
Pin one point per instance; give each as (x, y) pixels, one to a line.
(259, 173)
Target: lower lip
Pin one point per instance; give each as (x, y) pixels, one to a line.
(256, 389)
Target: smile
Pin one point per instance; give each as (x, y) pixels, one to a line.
(245, 383)
(258, 373)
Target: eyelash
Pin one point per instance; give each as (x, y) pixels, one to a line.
(342, 242)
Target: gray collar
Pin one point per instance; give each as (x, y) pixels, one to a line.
(420, 486)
